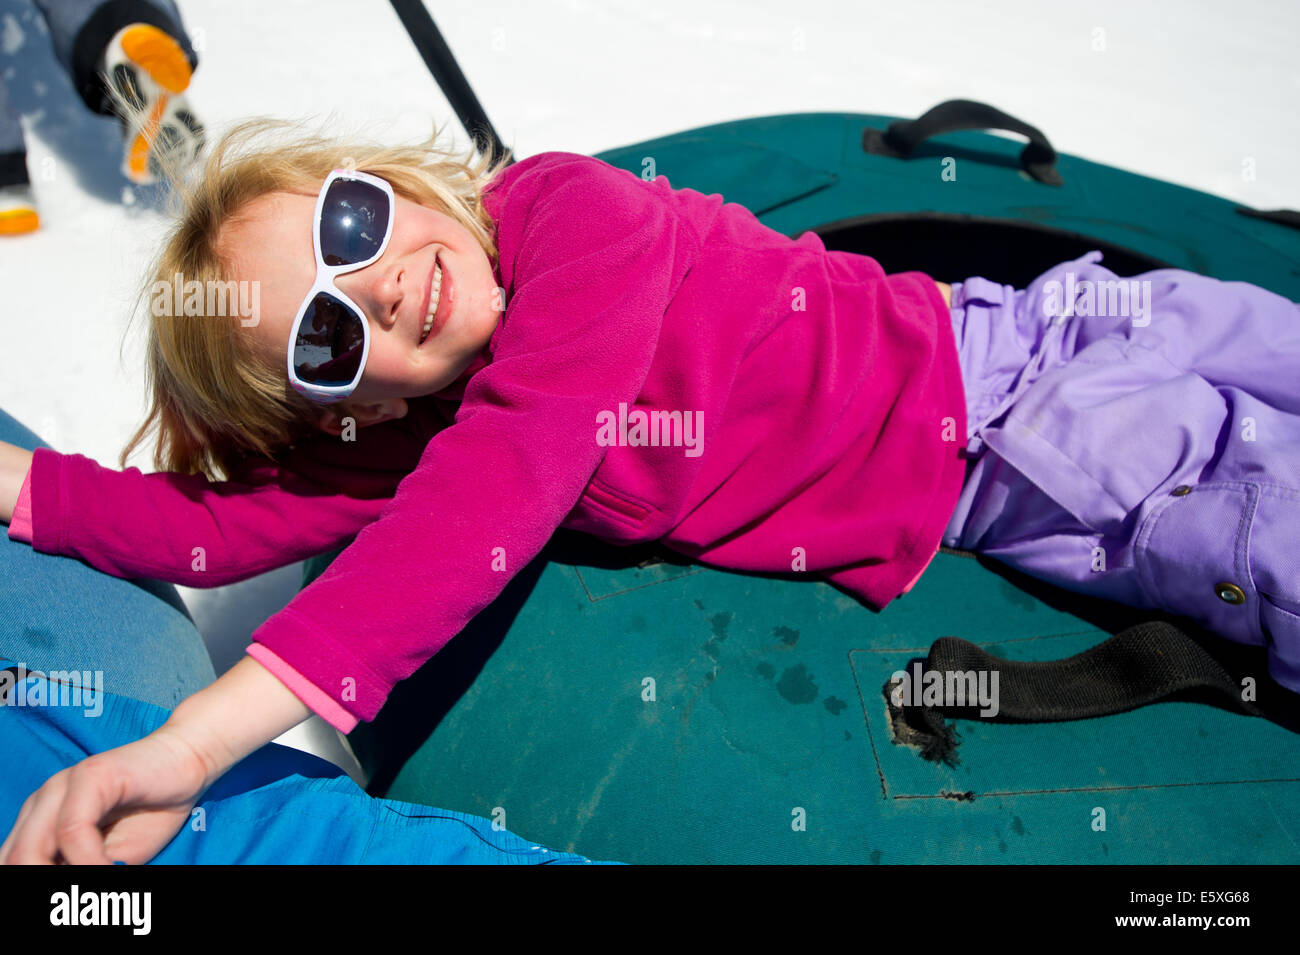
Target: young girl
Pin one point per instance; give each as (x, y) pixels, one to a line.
(450, 361)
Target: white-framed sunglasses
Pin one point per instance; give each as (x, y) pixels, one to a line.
(329, 339)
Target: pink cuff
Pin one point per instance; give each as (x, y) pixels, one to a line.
(923, 570)
(320, 703)
(20, 525)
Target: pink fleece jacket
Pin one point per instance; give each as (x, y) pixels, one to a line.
(666, 368)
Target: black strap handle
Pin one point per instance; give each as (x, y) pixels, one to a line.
(1138, 666)
(437, 56)
(901, 138)
(1287, 217)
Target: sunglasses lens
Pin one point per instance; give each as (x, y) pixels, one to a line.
(354, 221)
(330, 342)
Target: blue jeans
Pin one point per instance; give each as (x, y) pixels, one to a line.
(128, 652)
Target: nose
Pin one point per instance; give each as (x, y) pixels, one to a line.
(378, 289)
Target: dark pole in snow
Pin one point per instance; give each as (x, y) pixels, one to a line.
(437, 57)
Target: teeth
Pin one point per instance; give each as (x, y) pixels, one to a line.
(434, 294)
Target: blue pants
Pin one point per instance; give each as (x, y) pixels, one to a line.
(1141, 447)
(79, 31)
(126, 653)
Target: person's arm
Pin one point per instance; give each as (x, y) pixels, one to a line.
(242, 711)
(15, 462)
(190, 530)
(184, 528)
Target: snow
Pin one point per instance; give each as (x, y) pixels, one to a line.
(1197, 93)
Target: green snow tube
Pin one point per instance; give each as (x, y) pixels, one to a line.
(766, 737)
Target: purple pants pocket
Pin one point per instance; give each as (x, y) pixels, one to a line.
(1275, 570)
(1193, 556)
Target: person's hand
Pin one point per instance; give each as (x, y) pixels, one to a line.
(14, 464)
(124, 804)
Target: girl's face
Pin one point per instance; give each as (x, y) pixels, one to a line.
(271, 243)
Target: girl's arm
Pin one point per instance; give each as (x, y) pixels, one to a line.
(14, 464)
(241, 712)
(190, 530)
(185, 528)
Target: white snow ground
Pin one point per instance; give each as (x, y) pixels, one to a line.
(1192, 92)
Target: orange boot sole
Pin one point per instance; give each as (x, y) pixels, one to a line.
(161, 57)
(19, 221)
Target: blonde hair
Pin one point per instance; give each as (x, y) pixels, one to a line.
(213, 400)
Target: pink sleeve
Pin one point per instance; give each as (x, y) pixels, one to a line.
(184, 528)
(20, 525)
(594, 265)
(319, 703)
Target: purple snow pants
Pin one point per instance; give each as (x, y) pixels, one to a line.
(1139, 440)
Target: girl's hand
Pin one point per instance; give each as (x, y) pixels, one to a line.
(15, 462)
(123, 804)
(141, 794)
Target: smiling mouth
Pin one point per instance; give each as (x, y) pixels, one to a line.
(435, 297)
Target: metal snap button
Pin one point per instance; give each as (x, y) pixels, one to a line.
(1181, 490)
(1230, 593)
